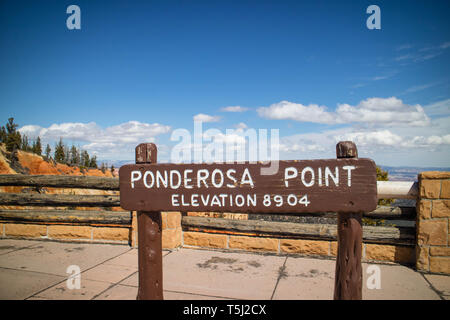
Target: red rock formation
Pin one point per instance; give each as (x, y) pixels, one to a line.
(34, 164)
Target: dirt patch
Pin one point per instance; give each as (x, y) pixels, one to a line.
(232, 269)
(7, 247)
(74, 249)
(216, 260)
(254, 264)
(313, 273)
(228, 264)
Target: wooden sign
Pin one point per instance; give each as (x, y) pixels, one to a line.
(312, 186)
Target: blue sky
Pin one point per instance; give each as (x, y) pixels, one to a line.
(137, 71)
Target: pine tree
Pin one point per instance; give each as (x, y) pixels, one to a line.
(13, 137)
(59, 152)
(78, 159)
(47, 151)
(74, 156)
(25, 145)
(112, 169)
(3, 134)
(37, 147)
(66, 155)
(383, 176)
(93, 162)
(85, 161)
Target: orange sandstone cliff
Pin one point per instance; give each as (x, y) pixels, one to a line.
(30, 163)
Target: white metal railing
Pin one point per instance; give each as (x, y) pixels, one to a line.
(397, 189)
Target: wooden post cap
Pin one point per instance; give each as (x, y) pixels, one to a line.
(346, 149)
(146, 153)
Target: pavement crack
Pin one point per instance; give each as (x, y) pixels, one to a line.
(281, 274)
(36, 294)
(18, 249)
(438, 292)
(100, 293)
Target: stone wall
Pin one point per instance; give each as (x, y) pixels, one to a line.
(65, 232)
(317, 248)
(171, 230)
(433, 214)
(96, 233)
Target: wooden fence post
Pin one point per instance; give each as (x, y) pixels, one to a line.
(149, 239)
(348, 277)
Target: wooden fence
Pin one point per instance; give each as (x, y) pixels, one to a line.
(385, 225)
(36, 198)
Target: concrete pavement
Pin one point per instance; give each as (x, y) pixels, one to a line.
(38, 270)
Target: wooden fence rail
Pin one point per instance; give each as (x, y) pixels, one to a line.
(68, 216)
(58, 200)
(376, 234)
(397, 189)
(85, 182)
(81, 217)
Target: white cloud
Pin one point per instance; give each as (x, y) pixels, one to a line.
(114, 141)
(408, 56)
(69, 130)
(373, 138)
(377, 78)
(377, 139)
(419, 146)
(419, 88)
(424, 53)
(445, 45)
(286, 110)
(234, 109)
(379, 111)
(31, 130)
(404, 47)
(233, 137)
(438, 108)
(310, 145)
(436, 140)
(384, 112)
(241, 125)
(206, 118)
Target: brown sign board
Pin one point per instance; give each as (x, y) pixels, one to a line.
(306, 186)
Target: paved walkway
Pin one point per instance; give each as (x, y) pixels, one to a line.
(37, 270)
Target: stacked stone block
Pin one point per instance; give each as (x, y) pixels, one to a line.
(433, 215)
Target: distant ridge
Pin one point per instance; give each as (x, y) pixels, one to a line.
(409, 173)
(116, 163)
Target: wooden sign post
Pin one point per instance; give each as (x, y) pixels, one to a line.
(149, 239)
(346, 185)
(348, 276)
